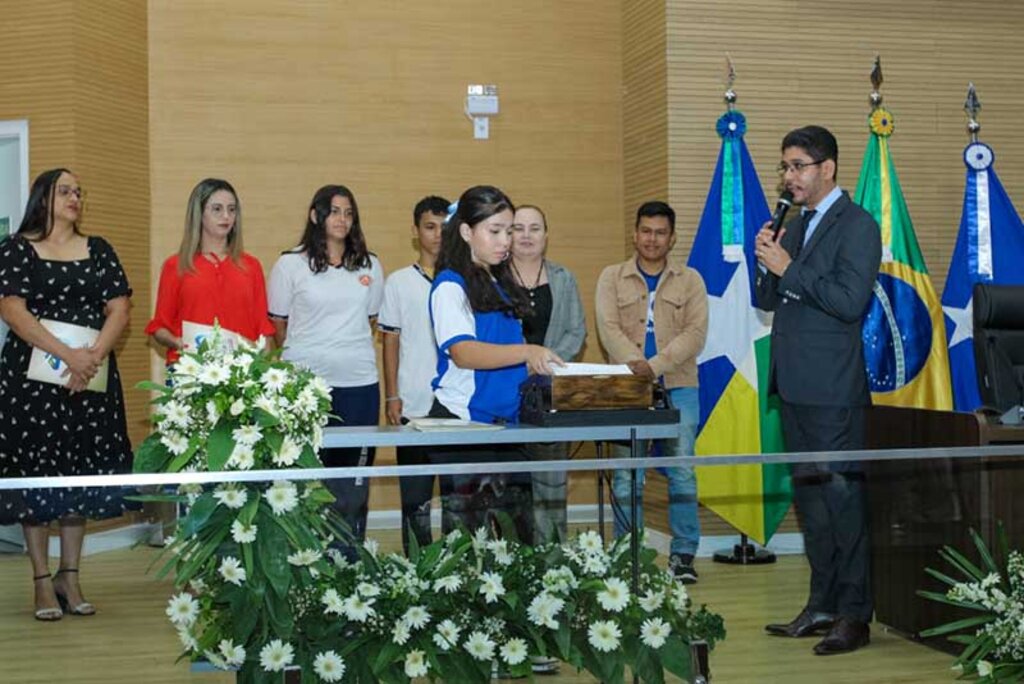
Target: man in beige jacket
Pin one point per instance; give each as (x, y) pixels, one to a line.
(653, 316)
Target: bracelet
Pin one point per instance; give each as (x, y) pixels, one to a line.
(393, 399)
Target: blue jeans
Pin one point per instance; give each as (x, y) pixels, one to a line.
(682, 483)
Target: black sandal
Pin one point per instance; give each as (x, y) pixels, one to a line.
(84, 608)
(48, 614)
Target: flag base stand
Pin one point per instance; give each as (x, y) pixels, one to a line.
(744, 553)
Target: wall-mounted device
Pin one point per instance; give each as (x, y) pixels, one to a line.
(481, 104)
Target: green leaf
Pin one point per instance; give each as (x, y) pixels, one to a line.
(648, 666)
(942, 598)
(961, 563)
(986, 556)
(308, 459)
(386, 656)
(219, 445)
(280, 614)
(958, 625)
(248, 512)
(941, 577)
(181, 460)
(159, 498)
(675, 656)
(151, 456)
(271, 550)
(265, 419)
(563, 639)
(197, 515)
(244, 613)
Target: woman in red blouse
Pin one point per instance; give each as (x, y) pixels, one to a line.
(210, 279)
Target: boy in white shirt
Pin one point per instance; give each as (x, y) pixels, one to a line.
(410, 359)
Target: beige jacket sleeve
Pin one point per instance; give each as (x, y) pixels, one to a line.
(685, 346)
(610, 330)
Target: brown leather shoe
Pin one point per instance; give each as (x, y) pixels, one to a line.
(808, 622)
(846, 635)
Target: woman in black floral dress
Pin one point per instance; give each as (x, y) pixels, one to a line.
(49, 271)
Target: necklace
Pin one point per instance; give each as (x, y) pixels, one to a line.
(536, 283)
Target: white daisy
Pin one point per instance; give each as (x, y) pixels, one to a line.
(276, 656)
(652, 600)
(514, 651)
(188, 641)
(304, 557)
(230, 497)
(590, 541)
(367, 589)
(449, 584)
(416, 617)
(400, 633)
(282, 496)
(654, 632)
(371, 546)
(614, 596)
(213, 374)
(679, 598)
(274, 379)
(175, 413)
(242, 360)
(321, 387)
(288, 454)
(499, 548)
(604, 635)
(491, 586)
(594, 564)
(415, 664)
(242, 457)
(329, 666)
(212, 413)
(480, 646)
(234, 654)
(332, 602)
(357, 608)
(266, 403)
(183, 609)
(447, 635)
(247, 434)
(186, 367)
(242, 533)
(238, 407)
(232, 571)
(175, 442)
(543, 609)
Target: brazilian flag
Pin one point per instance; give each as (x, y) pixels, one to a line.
(904, 333)
(736, 415)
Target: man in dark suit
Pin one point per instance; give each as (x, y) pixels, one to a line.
(817, 276)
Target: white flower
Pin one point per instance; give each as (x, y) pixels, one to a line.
(332, 600)
(183, 609)
(175, 413)
(242, 457)
(590, 541)
(242, 533)
(282, 496)
(449, 584)
(984, 668)
(447, 635)
(233, 654)
(367, 589)
(491, 586)
(175, 442)
(238, 407)
(288, 454)
(232, 571)
(371, 546)
(560, 580)
(480, 537)
(276, 656)
(188, 641)
(329, 666)
(242, 361)
(543, 609)
(595, 564)
(680, 599)
(604, 635)
(212, 413)
(247, 434)
(230, 497)
(480, 646)
(266, 403)
(186, 367)
(514, 651)
(274, 379)
(321, 387)
(654, 632)
(357, 608)
(213, 374)
(304, 557)
(615, 595)
(416, 617)
(499, 548)
(400, 633)
(197, 585)
(415, 664)
(652, 600)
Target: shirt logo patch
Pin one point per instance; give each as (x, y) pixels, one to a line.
(365, 280)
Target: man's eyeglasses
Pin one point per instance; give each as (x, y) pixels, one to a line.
(797, 166)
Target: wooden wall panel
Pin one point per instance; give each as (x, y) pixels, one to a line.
(77, 71)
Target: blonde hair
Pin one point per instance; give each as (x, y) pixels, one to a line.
(192, 238)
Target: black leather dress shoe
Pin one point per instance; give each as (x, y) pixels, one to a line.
(808, 622)
(845, 636)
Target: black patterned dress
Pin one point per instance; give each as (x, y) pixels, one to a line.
(44, 429)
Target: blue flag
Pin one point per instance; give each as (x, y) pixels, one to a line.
(989, 249)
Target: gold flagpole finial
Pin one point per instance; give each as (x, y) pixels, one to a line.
(876, 83)
(730, 78)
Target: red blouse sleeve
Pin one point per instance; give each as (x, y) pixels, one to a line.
(167, 314)
(259, 298)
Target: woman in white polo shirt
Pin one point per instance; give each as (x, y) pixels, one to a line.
(324, 296)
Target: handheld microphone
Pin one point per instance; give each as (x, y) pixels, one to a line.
(779, 215)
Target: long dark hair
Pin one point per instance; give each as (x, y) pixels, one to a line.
(314, 237)
(37, 223)
(478, 204)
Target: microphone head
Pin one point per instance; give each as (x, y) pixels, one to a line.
(786, 198)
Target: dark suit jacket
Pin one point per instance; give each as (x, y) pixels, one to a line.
(819, 303)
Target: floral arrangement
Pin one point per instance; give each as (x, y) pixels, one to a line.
(259, 588)
(993, 640)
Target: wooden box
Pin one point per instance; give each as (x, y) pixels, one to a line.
(583, 392)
